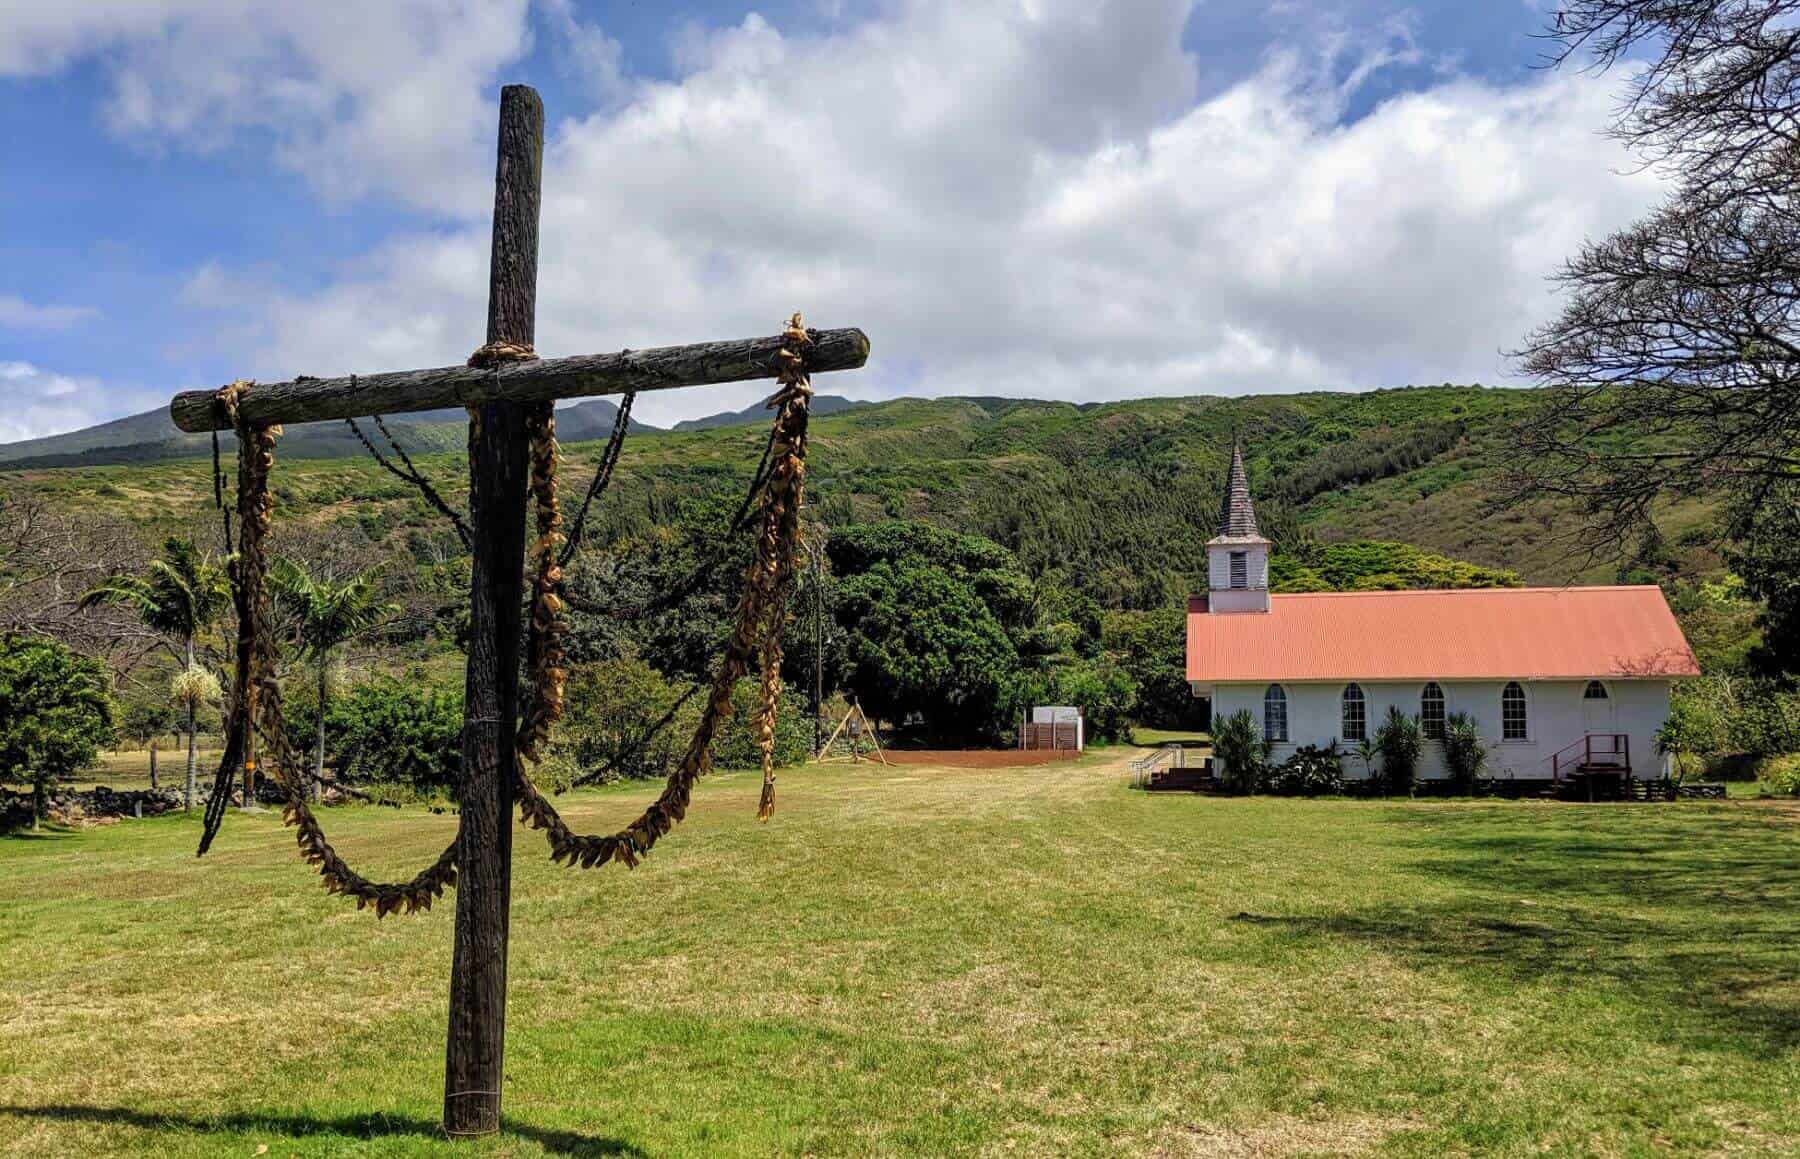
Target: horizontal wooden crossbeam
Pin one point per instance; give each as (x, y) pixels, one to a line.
(307, 400)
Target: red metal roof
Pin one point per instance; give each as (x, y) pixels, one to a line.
(1473, 634)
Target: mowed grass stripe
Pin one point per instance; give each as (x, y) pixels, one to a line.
(937, 961)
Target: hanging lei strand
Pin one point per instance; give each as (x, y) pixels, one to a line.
(761, 616)
(258, 703)
(755, 637)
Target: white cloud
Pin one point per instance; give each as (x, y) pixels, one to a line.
(392, 97)
(1026, 204)
(586, 54)
(18, 314)
(37, 401)
(1012, 198)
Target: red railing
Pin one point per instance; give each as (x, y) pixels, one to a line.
(1607, 750)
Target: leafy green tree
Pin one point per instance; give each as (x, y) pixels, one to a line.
(934, 622)
(664, 593)
(1721, 621)
(1401, 742)
(179, 596)
(1768, 559)
(56, 710)
(1693, 730)
(327, 614)
(1152, 649)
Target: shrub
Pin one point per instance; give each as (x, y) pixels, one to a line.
(1779, 776)
(1762, 719)
(400, 732)
(1102, 689)
(1105, 693)
(1311, 772)
(735, 746)
(1240, 751)
(608, 710)
(1693, 729)
(1400, 741)
(1465, 752)
(1720, 716)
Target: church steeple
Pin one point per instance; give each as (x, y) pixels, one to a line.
(1237, 518)
(1237, 558)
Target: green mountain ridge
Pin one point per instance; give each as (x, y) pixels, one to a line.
(822, 405)
(1116, 499)
(152, 437)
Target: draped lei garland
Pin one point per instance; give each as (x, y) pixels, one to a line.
(756, 639)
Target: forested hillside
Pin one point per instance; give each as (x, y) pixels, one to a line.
(1120, 496)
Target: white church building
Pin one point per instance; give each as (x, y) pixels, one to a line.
(1559, 680)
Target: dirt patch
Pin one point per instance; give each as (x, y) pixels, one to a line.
(978, 758)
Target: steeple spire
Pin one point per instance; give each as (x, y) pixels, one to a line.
(1237, 519)
(1237, 558)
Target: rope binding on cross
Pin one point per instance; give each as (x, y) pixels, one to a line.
(761, 614)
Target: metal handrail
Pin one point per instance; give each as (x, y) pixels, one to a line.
(1621, 748)
(1144, 767)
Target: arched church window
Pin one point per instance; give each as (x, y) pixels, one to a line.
(1514, 713)
(1275, 714)
(1431, 711)
(1355, 713)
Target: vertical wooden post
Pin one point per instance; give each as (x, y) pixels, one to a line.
(815, 556)
(498, 470)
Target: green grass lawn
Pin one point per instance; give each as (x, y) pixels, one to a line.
(1036, 961)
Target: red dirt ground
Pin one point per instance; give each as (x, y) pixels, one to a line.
(977, 758)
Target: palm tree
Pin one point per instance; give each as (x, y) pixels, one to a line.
(1241, 751)
(178, 597)
(1465, 753)
(1366, 752)
(1401, 742)
(327, 615)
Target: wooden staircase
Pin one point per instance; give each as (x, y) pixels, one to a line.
(1191, 780)
(1168, 770)
(1596, 768)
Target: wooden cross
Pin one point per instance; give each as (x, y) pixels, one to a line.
(500, 399)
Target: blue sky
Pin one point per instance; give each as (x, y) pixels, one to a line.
(1085, 201)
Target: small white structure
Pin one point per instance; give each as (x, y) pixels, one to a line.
(1054, 727)
(1560, 680)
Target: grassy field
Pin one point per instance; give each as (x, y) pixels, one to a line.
(130, 768)
(919, 961)
(1187, 737)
